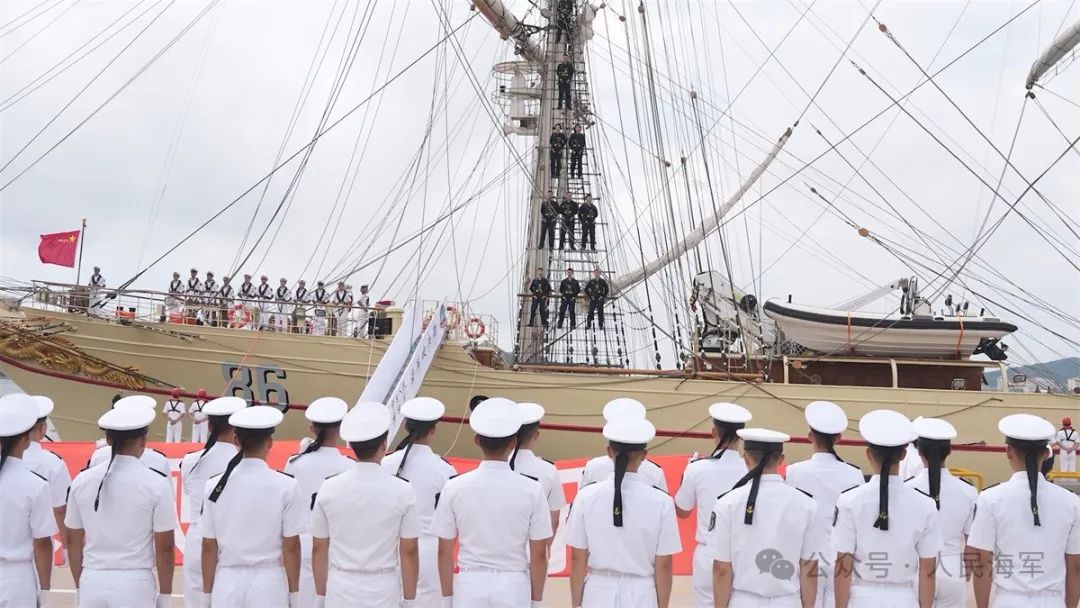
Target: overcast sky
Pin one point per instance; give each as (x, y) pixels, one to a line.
(205, 121)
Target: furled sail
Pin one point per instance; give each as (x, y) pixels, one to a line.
(1062, 46)
(509, 27)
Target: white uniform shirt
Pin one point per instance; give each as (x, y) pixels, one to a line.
(649, 526)
(494, 512)
(886, 556)
(25, 509)
(824, 477)
(1066, 439)
(52, 467)
(427, 472)
(1028, 558)
(387, 513)
(197, 414)
(765, 554)
(911, 463)
(602, 467)
(311, 470)
(195, 472)
(151, 458)
(259, 507)
(544, 471)
(704, 480)
(954, 519)
(174, 408)
(136, 503)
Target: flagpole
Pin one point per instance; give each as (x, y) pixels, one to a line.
(82, 233)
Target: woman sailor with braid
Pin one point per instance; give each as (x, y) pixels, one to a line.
(1025, 539)
(885, 533)
(955, 502)
(703, 481)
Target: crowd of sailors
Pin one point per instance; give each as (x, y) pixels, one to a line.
(380, 528)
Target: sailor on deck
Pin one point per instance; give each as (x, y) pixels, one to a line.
(597, 292)
(251, 523)
(224, 302)
(955, 500)
(556, 145)
(885, 533)
(50, 466)
(568, 209)
(576, 143)
(247, 294)
(525, 461)
(150, 458)
(300, 301)
(1026, 534)
(97, 293)
(549, 216)
(174, 303)
(176, 286)
(1066, 440)
(264, 295)
(282, 306)
(174, 411)
(209, 299)
(427, 472)
(342, 303)
(495, 513)
(622, 530)
(121, 517)
(588, 213)
(602, 467)
(763, 534)
(363, 307)
(358, 558)
(319, 461)
(194, 292)
(195, 469)
(26, 508)
(199, 418)
(569, 288)
(320, 297)
(703, 481)
(540, 288)
(825, 476)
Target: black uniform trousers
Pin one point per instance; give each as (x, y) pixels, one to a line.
(596, 306)
(547, 232)
(566, 305)
(541, 305)
(575, 163)
(567, 233)
(564, 94)
(555, 157)
(588, 235)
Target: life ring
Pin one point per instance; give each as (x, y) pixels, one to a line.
(239, 317)
(475, 328)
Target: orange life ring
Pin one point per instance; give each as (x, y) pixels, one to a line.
(475, 328)
(239, 317)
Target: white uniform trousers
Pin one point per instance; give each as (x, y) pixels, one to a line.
(18, 584)
(1000, 598)
(604, 590)
(281, 317)
(117, 589)
(193, 589)
(428, 589)
(173, 430)
(743, 599)
(200, 432)
(344, 327)
(1067, 460)
(349, 589)
(255, 586)
(265, 309)
(362, 324)
(701, 577)
(96, 308)
(318, 322)
(492, 589)
(307, 575)
(825, 596)
(950, 592)
(883, 595)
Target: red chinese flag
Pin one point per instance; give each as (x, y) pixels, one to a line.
(59, 248)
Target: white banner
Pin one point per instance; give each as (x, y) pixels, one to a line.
(382, 381)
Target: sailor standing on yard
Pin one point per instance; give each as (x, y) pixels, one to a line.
(556, 145)
(320, 298)
(300, 300)
(174, 411)
(363, 306)
(427, 472)
(549, 216)
(597, 292)
(121, 517)
(703, 481)
(342, 303)
(602, 467)
(1025, 539)
(319, 461)
(1066, 440)
(357, 558)
(588, 213)
(569, 288)
(251, 523)
(50, 466)
(264, 294)
(525, 461)
(282, 306)
(26, 510)
(622, 530)
(568, 209)
(199, 418)
(97, 293)
(576, 143)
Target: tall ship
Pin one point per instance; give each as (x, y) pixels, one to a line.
(656, 310)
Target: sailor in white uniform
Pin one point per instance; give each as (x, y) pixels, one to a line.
(319, 298)
(1026, 534)
(955, 501)
(264, 295)
(193, 295)
(494, 513)
(301, 297)
(319, 461)
(50, 466)
(825, 475)
(282, 306)
(341, 301)
(199, 426)
(251, 523)
(1066, 441)
(525, 461)
(26, 510)
(150, 457)
(763, 534)
(359, 557)
(249, 299)
(174, 411)
(363, 305)
(602, 467)
(97, 293)
(195, 469)
(121, 518)
(176, 286)
(623, 530)
(885, 533)
(704, 479)
(427, 472)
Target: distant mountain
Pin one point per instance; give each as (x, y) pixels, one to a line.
(1055, 374)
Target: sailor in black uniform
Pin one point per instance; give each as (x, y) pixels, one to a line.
(564, 21)
(224, 302)
(568, 209)
(540, 288)
(569, 288)
(577, 150)
(564, 73)
(549, 214)
(597, 291)
(556, 143)
(587, 213)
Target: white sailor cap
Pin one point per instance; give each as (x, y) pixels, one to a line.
(633, 431)
(18, 414)
(886, 428)
(623, 407)
(326, 410)
(934, 428)
(366, 421)
(136, 401)
(127, 418)
(730, 412)
(496, 418)
(45, 405)
(826, 417)
(423, 409)
(1026, 427)
(757, 435)
(224, 406)
(531, 413)
(257, 418)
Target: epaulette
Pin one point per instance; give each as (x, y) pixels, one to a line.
(293, 457)
(194, 452)
(547, 461)
(661, 489)
(437, 495)
(159, 452)
(923, 493)
(446, 461)
(401, 478)
(990, 486)
(849, 489)
(586, 485)
(59, 457)
(453, 476)
(653, 463)
(909, 479)
(159, 472)
(537, 479)
(967, 481)
(286, 474)
(39, 475)
(805, 492)
(313, 496)
(853, 465)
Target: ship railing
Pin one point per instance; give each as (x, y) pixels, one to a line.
(463, 324)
